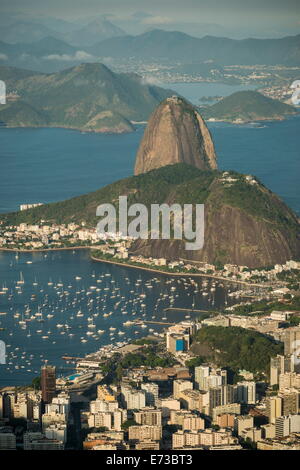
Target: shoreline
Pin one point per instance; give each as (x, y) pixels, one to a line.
(132, 266)
(183, 274)
(261, 120)
(103, 131)
(116, 131)
(37, 250)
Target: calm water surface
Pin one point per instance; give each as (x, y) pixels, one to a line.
(46, 165)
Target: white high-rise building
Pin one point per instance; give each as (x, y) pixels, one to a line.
(207, 377)
(151, 390)
(180, 385)
(57, 432)
(286, 425)
(59, 404)
(133, 399)
(201, 374)
(102, 405)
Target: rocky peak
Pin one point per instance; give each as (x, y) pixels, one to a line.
(176, 133)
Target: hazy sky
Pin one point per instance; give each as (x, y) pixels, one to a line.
(260, 16)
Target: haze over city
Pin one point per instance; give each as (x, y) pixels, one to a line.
(230, 18)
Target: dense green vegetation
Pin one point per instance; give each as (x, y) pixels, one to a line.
(239, 348)
(36, 382)
(257, 200)
(151, 356)
(20, 114)
(100, 255)
(195, 362)
(148, 359)
(294, 320)
(292, 277)
(179, 183)
(143, 341)
(88, 97)
(232, 199)
(248, 106)
(264, 307)
(182, 183)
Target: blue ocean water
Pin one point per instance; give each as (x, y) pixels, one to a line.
(45, 165)
(54, 164)
(66, 291)
(270, 152)
(194, 91)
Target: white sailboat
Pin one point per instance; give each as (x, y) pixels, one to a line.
(21, 280)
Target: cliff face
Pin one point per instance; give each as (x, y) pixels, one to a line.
(176, 133)
(254, 230)
(231, 236)
(245, 223)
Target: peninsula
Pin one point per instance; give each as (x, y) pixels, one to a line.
(245, 106)
(88, 97)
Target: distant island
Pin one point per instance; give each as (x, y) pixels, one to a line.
(245, 223)
(88, 97)
(245, 106)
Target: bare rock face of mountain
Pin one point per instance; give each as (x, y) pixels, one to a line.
(245, 223)
(176, 133)
(231, 236)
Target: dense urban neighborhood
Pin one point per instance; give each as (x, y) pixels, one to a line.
(160, 393)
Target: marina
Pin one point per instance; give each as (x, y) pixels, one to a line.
(64, 304)
(47, 297)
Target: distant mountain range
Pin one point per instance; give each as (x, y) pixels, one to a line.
(14, 25)
(245, 223)
(45, 55)
(248, 106)
(89, 97)
(174, 45)
(24, 32)
(93, 32)
(28, 32)
(55, 53)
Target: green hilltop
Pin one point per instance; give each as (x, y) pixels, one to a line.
(245, 223)
(89, 97)
(22, 114)
(236, 348)
(248, 106)
(185, 183)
